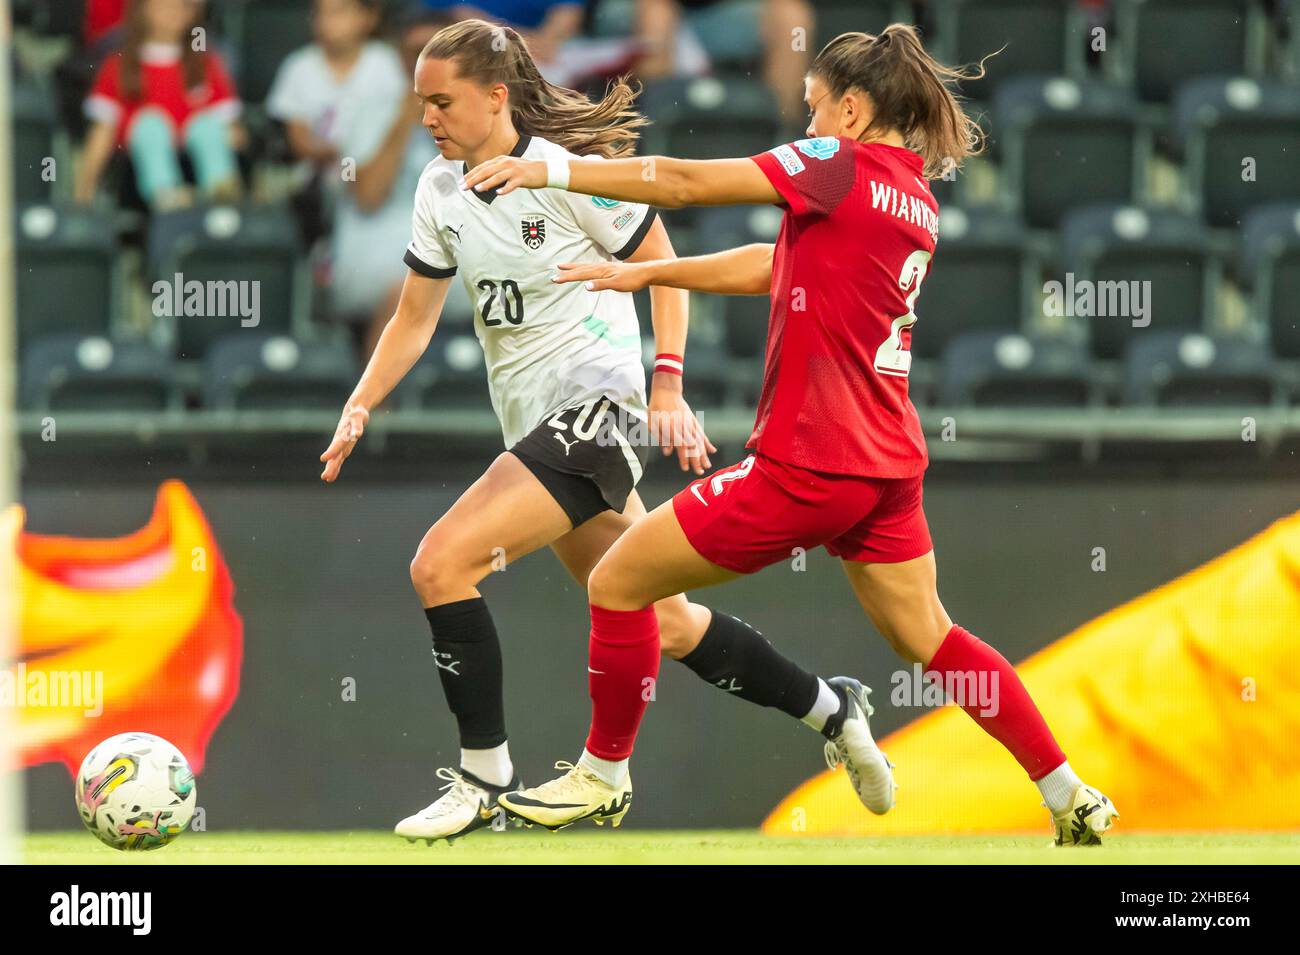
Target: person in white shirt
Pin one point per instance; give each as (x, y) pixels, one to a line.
(349, 118)
(564, 367)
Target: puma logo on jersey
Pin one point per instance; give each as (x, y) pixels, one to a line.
(731, 686)
(450, 666)
(456, 231)
(567, 444)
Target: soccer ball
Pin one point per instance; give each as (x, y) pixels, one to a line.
(135, 791)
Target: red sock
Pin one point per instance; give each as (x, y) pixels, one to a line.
(621, 674)
(1016, 723)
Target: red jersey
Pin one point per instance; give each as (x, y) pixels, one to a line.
(162, 84)
(855, 244)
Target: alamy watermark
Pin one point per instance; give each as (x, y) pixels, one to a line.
(181, 298)
(965, 688)
(1085, 298)
(53, 689)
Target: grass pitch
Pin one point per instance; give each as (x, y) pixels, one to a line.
(584, 847)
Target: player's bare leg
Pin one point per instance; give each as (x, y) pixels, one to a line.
(902, 600)
(720, 649)
(504, 515)
(650, 561)
(682, 624)
(636, 586)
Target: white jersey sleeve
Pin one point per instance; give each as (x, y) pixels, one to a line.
(429, 253)
(617, 227)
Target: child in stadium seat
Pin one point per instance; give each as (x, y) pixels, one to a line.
(164, 97)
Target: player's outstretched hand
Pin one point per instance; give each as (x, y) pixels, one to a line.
(351, 426)
(619, 276)
(674, 427)
(506, 174)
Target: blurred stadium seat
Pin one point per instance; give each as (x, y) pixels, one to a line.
(72, 372)
(744, 317)
(1167, 42)
(67, 267)
(450, 374)
(709, 118)
(1241, 139)
(1126, 245)
(1192, 370)
(1270, 265)
(1033, 36)
(34, 118)
(1005, 368)
(856, 16)
(1065, 143)
(984, 250)
(275, 372)
(263, 33)
(223, 244)
(51, 17)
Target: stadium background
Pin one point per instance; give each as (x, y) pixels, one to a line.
(1051, 436)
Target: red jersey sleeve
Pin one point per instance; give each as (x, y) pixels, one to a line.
(812, 176)
(104, 102)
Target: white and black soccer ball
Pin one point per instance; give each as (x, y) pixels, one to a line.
(135, 791)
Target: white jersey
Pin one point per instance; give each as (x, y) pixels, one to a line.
(547, 346)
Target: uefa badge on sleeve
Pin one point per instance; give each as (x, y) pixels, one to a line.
(534, 230)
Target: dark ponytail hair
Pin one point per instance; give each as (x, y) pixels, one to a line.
(910, 90)
(497, 54)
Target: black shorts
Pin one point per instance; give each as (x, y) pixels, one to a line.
(584, 458)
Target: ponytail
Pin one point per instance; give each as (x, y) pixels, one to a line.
(910, 91)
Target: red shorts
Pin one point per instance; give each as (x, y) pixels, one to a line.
(757, 512)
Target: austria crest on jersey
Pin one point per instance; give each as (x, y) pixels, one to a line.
(534, 229)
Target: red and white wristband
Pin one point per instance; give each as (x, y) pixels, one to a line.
(668, 364)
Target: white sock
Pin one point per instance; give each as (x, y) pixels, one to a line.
(1058, 787)
(827, 705)
(490, 765)
(613, 772)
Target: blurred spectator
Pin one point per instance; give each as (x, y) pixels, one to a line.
(679, 35)
(103, 21)
(545, 25)
(351, 117)
(163, 94)
(551, 28)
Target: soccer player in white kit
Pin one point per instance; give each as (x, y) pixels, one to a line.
(566, 380)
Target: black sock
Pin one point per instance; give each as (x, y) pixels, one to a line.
(735, 657)
(468, 655)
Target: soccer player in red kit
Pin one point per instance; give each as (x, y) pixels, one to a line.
(837, 450)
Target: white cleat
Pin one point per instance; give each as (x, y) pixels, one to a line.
(578, 794)
(1090, 814)
(468, 803)
(849, 742)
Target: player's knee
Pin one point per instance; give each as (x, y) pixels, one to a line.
(606, 587)
(437, 576)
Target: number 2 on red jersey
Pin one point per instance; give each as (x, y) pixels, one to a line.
(891, 357)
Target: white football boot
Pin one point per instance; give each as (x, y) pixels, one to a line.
(578, 794)
(849, 741)
(1090, 814)
(468, 803)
